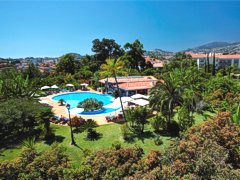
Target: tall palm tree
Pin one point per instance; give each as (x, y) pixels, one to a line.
(166, 95)
(114, 67)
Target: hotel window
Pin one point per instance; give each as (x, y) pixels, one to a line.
(224, 62)
(236, 62)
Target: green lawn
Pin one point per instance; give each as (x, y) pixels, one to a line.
(110, 133)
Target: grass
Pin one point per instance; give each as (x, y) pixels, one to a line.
(110, 134)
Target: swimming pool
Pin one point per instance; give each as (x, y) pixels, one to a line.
(74, 98)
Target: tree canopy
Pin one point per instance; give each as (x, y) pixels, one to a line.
(134, 55)
(106, 48)
(67, 64)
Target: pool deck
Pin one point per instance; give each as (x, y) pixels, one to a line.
(62, 111)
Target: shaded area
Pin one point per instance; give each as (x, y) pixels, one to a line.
(57, 138)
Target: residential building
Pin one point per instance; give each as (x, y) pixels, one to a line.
(221, 60)
(157, 64)
(47, 67)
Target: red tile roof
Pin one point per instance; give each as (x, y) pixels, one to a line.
(217, 55)
(129, 79)
(133, 83)
(136, 85)
(197, 55)
(229, 56)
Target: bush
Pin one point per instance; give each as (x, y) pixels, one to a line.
(77, 121)
(185, 120)
(158, 141)
(49, 164)
(90, 104)
(116, 145)
(158, 123)
(207, 148)
(173, 128)
(126, 133)
(89, 126)
(114, 164)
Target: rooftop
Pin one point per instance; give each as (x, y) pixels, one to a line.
(217, 55)
(133, 82)
(124, 79)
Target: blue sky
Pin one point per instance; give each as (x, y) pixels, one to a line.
(53, 28)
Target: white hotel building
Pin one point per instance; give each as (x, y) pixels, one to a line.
(220, 59)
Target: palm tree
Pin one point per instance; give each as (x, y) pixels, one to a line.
(61, 101)
(114, 67)
(165, 96)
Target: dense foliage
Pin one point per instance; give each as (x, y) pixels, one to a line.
(32, 164)
(23, 117)
(14, 84)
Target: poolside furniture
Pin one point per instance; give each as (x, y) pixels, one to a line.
(84, 86)
(111, 118)
(120, 117)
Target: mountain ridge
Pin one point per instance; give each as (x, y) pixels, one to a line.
(216, 46)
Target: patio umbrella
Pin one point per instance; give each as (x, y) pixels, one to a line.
(69, 85)
(84, 84)
(139, 96)
(54, 87)
(140, 102)
(45, 87)
(124, 99)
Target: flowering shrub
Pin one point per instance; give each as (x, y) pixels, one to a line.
(49, 164)
(109, 164)
(77, 121)
(207, 148)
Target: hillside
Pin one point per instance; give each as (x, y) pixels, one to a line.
(218, 47)
(158, 53)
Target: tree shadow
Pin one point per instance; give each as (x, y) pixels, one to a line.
(130, 139)
(145, 135)
(96, 137)
(141, 136)
(168, 134)
(56, 138)
(76, 145)
(77, 130)
(120, 122)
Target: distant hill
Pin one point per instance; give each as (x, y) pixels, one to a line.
(218, 47)
(76, 55)
(158, 53)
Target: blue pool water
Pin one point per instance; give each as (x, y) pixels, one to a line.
(74, 98)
